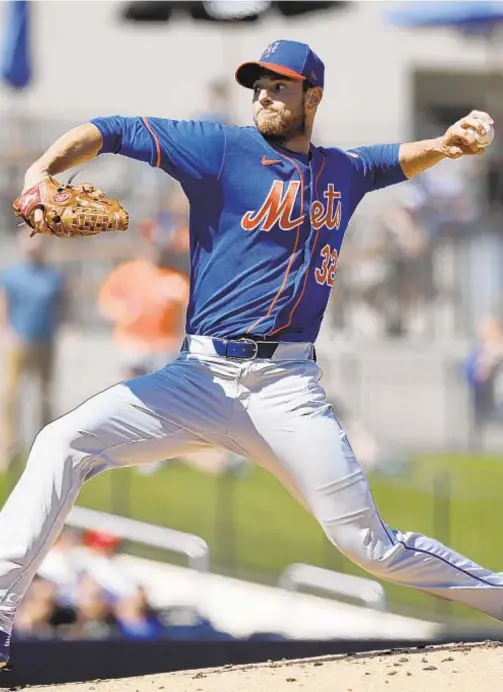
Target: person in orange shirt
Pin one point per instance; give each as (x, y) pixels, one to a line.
(146, 300)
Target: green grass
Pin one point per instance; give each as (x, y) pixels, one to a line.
(254, 527)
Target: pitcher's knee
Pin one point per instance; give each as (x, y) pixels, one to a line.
(59, 442)
(368, 550)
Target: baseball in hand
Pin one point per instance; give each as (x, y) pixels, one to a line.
(484, 140)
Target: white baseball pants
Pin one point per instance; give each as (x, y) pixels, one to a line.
(272, 411)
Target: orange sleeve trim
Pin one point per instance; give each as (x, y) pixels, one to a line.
(292, 256)
(156, 142)
(308, 270)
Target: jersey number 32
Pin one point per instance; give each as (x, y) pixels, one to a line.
(326, 273)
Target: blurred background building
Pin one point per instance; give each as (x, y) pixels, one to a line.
(412, 343)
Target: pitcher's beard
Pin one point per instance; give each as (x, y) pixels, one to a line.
(282, 129)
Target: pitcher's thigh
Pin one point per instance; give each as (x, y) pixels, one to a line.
(315, 459)
(119, 427)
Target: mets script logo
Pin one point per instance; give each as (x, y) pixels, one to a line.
(279, 206)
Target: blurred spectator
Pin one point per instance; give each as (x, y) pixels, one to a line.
(386, 274)
(95, 559)
(31, 309)
(448, 197)
(71, 558)
(35, 613)
(61, 566)
(483, 372)
(136, 619)
(410, 286)
(219, 103)
(146, 299)
(94, 618)
(40, 614)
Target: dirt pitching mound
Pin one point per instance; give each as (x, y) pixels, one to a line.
(463, 667)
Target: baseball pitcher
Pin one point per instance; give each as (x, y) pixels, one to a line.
(269, 210)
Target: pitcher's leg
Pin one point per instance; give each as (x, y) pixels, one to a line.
(310, 448)
(151, 419)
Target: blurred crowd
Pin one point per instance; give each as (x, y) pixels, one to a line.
(81, 592)
(405, 268)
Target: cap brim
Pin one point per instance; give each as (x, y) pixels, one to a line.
(248, 73)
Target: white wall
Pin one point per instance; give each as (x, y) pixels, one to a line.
(89, 63)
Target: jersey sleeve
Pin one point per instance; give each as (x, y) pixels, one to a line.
(376, 166)
(185, 149)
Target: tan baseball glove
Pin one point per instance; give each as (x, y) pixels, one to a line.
(70, 211)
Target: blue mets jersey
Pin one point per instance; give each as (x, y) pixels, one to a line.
(266, 225)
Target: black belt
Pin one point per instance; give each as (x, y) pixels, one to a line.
(245, 348)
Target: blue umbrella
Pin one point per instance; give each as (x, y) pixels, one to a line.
(468, 17)
(16, 58)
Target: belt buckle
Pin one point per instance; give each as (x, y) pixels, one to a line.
(250, 341)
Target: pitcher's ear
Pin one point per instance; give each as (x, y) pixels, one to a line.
(314, 97)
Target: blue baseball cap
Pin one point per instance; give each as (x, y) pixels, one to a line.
(287, 58)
